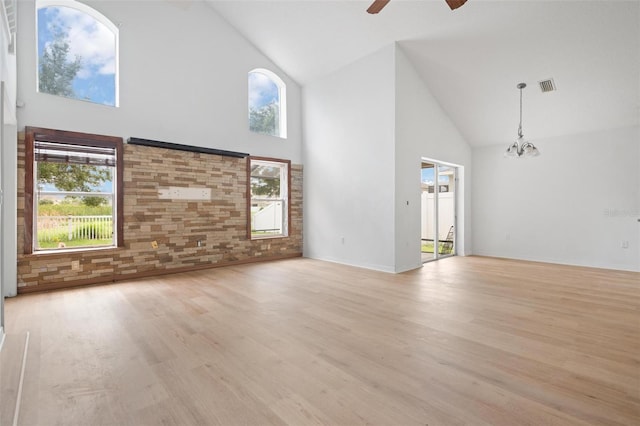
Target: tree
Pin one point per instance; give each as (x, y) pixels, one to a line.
(56, 76)
(74, 177)
(57, 72)
(265, 181)
(265, 119)
(94, 201)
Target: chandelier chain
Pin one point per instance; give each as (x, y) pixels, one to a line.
(520, 125)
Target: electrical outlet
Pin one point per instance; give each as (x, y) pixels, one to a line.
(625, 244)
(75, 265)
(154, 244)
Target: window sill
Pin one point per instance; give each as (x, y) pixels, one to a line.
(267, 237)
(63, 252)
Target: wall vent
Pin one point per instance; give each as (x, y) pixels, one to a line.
(547, 85)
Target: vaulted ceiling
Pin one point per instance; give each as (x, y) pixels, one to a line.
(472, 58)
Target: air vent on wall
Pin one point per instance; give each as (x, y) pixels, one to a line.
(547, 85)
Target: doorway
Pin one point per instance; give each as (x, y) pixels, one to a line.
(438, 210)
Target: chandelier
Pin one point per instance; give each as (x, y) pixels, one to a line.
(521, 148)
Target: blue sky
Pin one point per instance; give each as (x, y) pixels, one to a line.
(262, 90)
(93, 42)
(427, 176)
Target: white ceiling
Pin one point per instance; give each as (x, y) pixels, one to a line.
(472, 58)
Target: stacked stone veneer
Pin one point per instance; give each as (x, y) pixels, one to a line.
(177, 225)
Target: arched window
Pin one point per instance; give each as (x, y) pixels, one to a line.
(267, 103)
(77, 52)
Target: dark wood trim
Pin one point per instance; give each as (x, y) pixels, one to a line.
(119, 193)
(68, 254)
(188, 148)
(60, 285)
(274, 160)
(74, 138)
(289, 222)
(249, 198)
(28, 190)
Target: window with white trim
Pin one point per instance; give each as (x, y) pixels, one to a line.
(74, 183)
(267, 103)
(77, 50)
(269, 183)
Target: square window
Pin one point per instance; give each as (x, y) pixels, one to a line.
(268, 189)
(74, 183)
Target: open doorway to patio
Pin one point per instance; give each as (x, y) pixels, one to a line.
(438, 212)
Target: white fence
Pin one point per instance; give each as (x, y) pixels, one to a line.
(54, 228)
(266, 216)
(446, 214)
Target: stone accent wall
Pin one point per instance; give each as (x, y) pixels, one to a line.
(177, 225)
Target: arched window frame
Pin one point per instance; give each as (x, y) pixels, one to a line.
(40, 4)
(282, 95)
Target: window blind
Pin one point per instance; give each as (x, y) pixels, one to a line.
(54, 152)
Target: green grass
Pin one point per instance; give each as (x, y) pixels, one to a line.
(427, 247)
(66, 209)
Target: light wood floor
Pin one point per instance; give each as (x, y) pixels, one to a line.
(462, 341)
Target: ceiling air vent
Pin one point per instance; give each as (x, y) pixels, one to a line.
(547, 85)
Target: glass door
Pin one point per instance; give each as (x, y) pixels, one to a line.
(446, 208)
(428, 213)
(438, 214)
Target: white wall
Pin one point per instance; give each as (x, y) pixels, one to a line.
(8, 160)
(423, 130)
(183, 79)
(575, 204)
(367, 127)
(349, 164)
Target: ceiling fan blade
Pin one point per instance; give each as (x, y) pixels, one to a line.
(377, 6)
(454, 4)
